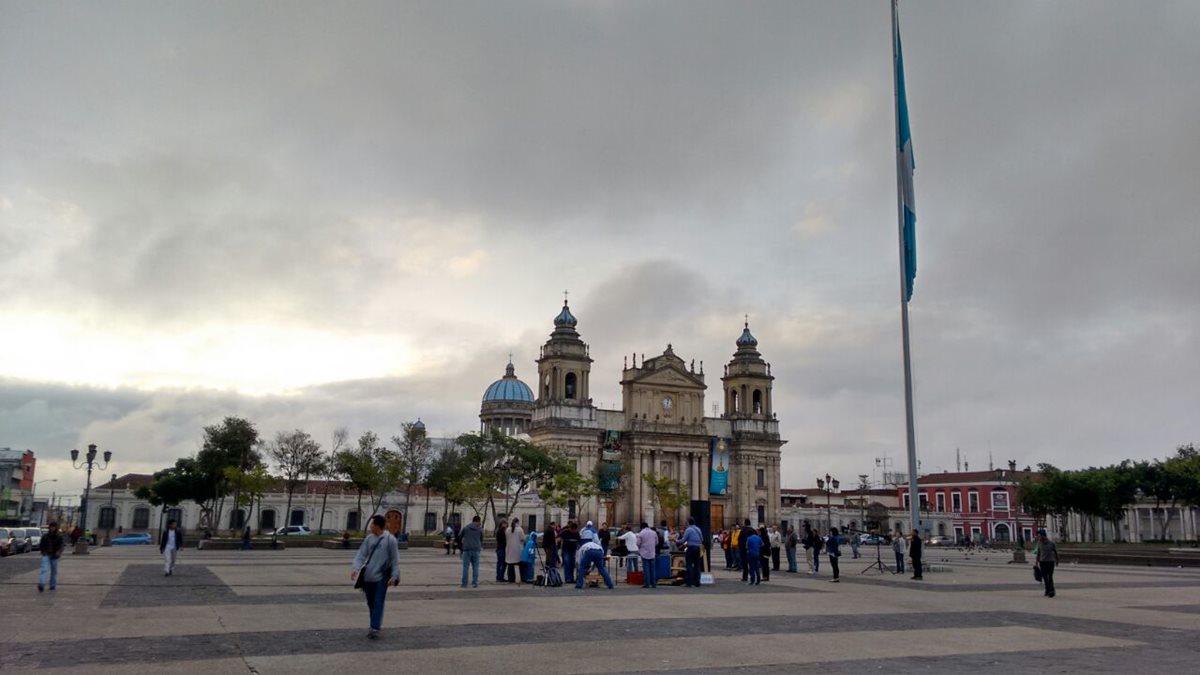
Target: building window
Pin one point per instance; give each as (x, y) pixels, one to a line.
(570, 386)
(175, 515)
(999, 500)
(924, 501)
(973, 502)
(353, 521)
(762, 514)
(141, 518)
(940, 500)
(570, 509)
(757, 399)
(941, 529)
(761, 478)
(956, 502)
(532, 523)
(906, 502)
(958, 535)
(266, 519)
(430, 521)
(297, 517)
(976, 534)
(108, 518)
(1028, 534)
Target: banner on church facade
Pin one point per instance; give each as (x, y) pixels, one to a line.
(718, 475)
(608, 474)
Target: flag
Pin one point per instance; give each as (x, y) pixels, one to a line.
(905, 166)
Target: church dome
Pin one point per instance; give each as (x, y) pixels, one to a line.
(509, 388)
(747, 340)
(565, 317)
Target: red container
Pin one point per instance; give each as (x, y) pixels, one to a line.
(635, 578)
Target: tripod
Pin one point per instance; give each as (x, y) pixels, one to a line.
(878, 565)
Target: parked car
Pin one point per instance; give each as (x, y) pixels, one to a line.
(871, 540)
(940, 540)
(21, 542)
(35, 538)
(7, 542)
(132, 538)
(292, 529)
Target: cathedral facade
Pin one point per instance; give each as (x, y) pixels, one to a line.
(730, 461)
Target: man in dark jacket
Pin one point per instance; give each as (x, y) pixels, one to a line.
(1047, 560)
(569, 541)
(501, 543)
(743, 538)
(550, 544)
(169, 544)
(51, 547)
(604, 537)
(914, 552)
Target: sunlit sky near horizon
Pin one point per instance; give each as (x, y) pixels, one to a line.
(315, 216)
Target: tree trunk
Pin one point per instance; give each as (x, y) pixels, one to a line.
(324, 500)
(288, 508)
(362, 524)
(423, 528)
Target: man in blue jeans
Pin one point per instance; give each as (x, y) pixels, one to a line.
(692, 538)
(51, 548)
(591, 553)
(647, 549)
(378, 561)
(569, 541)
(472, 546)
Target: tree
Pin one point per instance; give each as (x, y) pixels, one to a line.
(668, 494)
(233, 442)
(372, 469)
(566, 486)
(327, 468)
(449, 473)
(508, 466)
(296, 455)
(251, 486)
(414, 452)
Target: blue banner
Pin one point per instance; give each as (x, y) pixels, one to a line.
(718, 475)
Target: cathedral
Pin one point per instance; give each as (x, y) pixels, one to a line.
(731, 461)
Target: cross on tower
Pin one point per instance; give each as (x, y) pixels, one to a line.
(565, 294)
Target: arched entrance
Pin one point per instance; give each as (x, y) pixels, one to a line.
(395, 522)
(1003, 534)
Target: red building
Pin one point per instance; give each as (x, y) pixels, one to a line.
(983, 504)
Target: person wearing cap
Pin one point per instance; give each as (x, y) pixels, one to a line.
(1047, 560)
(591, 553)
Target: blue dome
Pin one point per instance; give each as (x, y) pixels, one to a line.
(565, 317)
(419, 425)
(747, 340)
(508, 388)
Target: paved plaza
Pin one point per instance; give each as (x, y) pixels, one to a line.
(295, 612)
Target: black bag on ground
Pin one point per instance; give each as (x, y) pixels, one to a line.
(553, 578)
(1037, 574)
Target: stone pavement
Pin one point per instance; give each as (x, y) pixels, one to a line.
(295, 612)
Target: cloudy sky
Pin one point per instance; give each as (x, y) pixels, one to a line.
(322, 215)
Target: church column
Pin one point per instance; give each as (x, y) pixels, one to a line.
(638, 494)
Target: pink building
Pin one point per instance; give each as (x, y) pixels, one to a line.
(983, 505)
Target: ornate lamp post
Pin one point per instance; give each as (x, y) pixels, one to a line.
(91, 463)
(828, 485)
(112, 490)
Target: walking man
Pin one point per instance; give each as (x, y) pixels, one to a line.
(789, 545)
(591, 554)
(378, 560)
(1047, 560)
(169, 544)
(914, 553)
(691, 540)
(647, 549)
(854, 544)
(51, 548)
(898, 547)
(808, 547)
(472, 547)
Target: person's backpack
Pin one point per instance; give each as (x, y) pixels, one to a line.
(553, 578)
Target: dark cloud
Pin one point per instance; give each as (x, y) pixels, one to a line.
(435, 174)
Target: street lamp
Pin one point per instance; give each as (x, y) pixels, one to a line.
(91, 463)
(828, 485)
(112, 490)
(33, 498)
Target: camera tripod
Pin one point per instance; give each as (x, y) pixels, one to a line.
(878, 565)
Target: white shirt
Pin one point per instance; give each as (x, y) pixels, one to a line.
(171, 539)
(631, 542)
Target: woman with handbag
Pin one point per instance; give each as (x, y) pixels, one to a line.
(376, 567)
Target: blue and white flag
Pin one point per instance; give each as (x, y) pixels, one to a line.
(904, 167)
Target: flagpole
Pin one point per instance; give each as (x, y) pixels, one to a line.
(914, 501)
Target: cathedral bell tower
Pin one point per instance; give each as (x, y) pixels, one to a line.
(564, 365)
(747, 381)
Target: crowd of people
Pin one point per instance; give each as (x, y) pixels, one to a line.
(756, 552)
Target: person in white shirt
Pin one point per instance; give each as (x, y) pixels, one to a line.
(776, 542)
(630, 538)
(169, 544)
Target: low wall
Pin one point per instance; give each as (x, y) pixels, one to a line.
(1128, 556)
